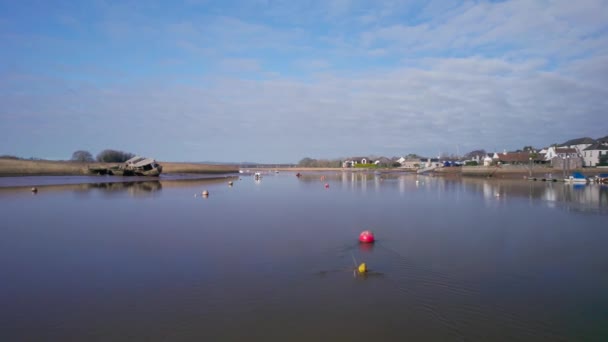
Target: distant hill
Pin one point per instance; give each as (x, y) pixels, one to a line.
(603, 140)
(579, 141)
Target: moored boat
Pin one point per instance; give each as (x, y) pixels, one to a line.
(602, 178)
(577, 177)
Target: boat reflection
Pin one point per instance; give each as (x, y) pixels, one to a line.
(139, 188)
(134, 189)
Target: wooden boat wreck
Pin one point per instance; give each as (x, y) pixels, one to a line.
(136, 166)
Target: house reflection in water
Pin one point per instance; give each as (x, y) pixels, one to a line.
(581, 197)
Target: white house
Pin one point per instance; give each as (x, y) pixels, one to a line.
(591, 155)
(561, 157)
(561, 152)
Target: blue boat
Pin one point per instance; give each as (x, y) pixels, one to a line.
(577, 177)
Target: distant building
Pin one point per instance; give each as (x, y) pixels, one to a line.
(410, 163)
(521, 158)
(592, 154)
(564, 157)
(351, 162)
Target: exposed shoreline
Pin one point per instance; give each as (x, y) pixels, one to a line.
(15, 168)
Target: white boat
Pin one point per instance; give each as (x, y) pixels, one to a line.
(257, 175)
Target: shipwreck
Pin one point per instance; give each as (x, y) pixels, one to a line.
(136, 166)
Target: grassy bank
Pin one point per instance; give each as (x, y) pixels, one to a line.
(197, 168)
(12, 167)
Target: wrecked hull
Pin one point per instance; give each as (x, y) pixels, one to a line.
(137, 166)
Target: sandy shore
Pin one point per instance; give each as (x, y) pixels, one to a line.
(11, 167)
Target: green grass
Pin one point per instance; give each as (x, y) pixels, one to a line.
(366, 166)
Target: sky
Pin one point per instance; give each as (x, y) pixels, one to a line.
(278, 80)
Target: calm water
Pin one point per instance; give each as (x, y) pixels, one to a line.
(273, 260)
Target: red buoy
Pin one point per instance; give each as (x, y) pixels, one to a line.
(326, 185)
(366, 237)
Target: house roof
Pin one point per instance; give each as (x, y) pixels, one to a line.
(579, 141)
(597, 146)
(565, 150)
(604, 139)
(519, 157)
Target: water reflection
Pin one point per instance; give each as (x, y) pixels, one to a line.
(353, 180)
(135, 189)
(574, 196)
(366, 247)
(146, 188)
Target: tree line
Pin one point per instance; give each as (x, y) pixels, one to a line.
(105, 156)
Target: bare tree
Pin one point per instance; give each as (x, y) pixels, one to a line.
(82, 156)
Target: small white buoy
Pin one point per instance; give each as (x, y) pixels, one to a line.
(205, 193)
(230, 183)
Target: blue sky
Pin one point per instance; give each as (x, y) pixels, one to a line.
(276, 81)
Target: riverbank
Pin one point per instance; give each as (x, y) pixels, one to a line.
(12, 167)
(501, 172)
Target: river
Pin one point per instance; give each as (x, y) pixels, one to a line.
(273, 260)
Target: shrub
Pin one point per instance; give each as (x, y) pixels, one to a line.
(113, 156)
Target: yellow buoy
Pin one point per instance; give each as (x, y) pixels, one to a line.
(362, 268)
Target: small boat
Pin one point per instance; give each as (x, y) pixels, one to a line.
(602, 178)
(577, 177)
(257, 175)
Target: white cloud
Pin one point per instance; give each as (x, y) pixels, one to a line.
(498, 104)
